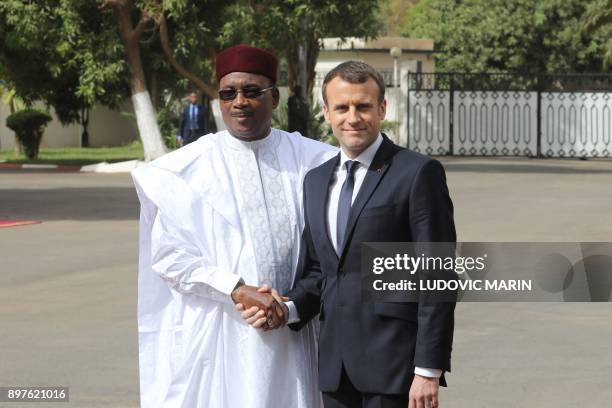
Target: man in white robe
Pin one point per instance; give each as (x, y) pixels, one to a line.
(219, 218)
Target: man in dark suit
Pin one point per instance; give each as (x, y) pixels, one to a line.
(370, 354)
(193, 122)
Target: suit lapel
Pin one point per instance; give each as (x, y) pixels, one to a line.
(375, 173)
(320, 206)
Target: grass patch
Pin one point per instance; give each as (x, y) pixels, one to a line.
(79, 155)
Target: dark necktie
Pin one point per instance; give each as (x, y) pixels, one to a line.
(344, 204)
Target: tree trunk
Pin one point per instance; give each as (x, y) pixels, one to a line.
(294, 67)
(154, 92)
(313, 55)
(84, 117)
(147, 126)
(143, 108)
(17, 147)
(292, 57)
(206, 89)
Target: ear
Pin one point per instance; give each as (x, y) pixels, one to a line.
(275, 98)
(326, 113)
(382, 109)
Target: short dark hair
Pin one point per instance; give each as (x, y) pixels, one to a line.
(355, 72)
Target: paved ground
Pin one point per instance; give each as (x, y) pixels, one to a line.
(68, 286)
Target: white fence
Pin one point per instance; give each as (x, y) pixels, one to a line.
(491, 123)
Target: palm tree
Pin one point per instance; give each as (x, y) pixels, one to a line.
(14, 102)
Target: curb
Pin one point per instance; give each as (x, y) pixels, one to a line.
(27, 166)
(103, 167)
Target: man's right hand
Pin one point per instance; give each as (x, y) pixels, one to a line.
(423, 392)
(270, 313)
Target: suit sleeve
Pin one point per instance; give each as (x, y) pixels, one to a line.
(431, 220)
(306, 292)
(204, 116)
(181, 128)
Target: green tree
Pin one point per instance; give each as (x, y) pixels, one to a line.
(37, 58)
(285, 25)
(523, 35)
(597, 15)
(9, 93)
(393, 15)
(74, 53)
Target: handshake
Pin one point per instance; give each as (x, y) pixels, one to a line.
(262, 308)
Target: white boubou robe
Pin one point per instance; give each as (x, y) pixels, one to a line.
(213, 212)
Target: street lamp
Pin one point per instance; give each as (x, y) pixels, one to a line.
(396, 53)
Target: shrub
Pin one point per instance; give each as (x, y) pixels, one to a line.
(29, 125)
(167, 121)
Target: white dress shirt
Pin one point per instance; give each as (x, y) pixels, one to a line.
(364, 159)
(193, 117)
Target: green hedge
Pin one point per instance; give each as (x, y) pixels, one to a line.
(29, 125)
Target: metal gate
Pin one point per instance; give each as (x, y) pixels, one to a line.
(510, 114)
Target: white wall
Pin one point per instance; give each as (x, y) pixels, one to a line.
(112, 128)
(6, 134)
(106, 128)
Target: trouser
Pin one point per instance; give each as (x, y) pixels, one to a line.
(192, 135)
(347, 396)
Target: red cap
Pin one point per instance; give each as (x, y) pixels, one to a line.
(244, 58)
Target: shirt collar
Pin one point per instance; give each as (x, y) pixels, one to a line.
(270, 141)
(366, 157)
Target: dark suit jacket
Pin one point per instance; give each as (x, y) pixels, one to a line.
(403, 198)
(202, 120)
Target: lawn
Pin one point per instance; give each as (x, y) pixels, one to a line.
(78, 155)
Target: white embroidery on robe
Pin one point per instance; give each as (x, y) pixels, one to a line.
(265, 207)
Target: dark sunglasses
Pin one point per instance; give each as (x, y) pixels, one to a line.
(250, 92)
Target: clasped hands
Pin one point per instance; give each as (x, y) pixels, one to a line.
(262, 308)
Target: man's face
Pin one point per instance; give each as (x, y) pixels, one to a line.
(354, 113)
(193, 98)
(248, 119)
